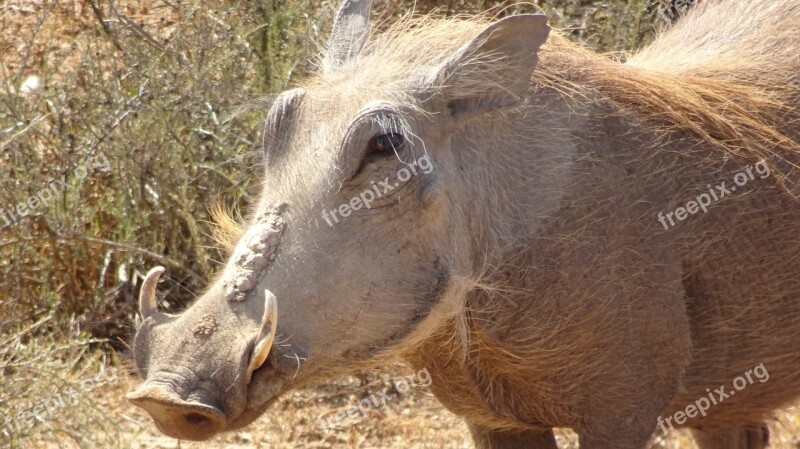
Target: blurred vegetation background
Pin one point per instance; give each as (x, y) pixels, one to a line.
(167, 92)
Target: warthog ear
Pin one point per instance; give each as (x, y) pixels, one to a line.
(350, 32)
(493, 70)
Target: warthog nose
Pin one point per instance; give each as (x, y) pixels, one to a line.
(176, 417)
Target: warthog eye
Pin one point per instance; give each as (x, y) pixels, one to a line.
(380, 148)
(386, 143)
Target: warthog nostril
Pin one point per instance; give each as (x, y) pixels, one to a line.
(196, 419)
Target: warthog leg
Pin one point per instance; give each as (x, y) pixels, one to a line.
(746, 437)
(495, 439)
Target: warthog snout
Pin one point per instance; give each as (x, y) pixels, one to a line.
(193, 419)
(188, 399)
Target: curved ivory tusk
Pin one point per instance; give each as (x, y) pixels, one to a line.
(266, 335)
(147, 295)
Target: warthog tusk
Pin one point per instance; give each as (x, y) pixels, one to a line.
(147, 295)
(266, 335)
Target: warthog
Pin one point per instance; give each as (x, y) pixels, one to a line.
(598, 245)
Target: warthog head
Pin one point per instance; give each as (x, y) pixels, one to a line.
(361, 227)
